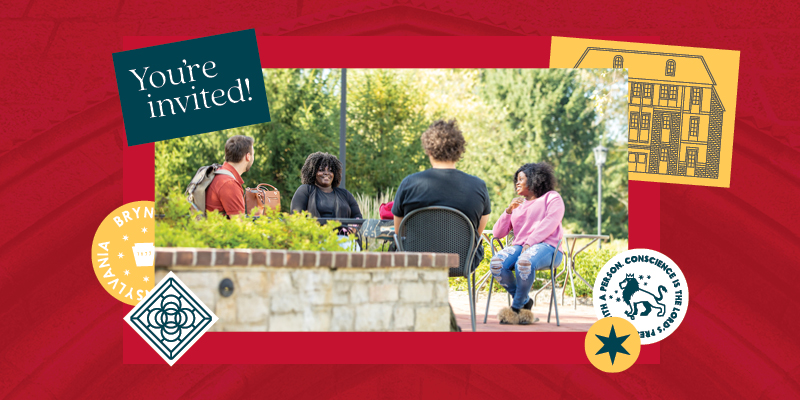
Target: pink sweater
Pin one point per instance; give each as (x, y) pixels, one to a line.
(533, 222)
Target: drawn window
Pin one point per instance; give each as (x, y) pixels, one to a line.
(637, 89)
(634, 120)
(617, 61)
(691, 157)
(648, 90)
(641, 162)
(673, 92)
(664, 154)
(665, 124)
(637, 162)
(670, 67)
(694, 128)
(645, 121)
(664, 92)
(696, 96)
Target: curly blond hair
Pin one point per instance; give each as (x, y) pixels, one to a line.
(443, 141)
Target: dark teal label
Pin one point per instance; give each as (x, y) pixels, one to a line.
(191, 87)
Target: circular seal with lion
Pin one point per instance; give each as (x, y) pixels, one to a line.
(646, 288)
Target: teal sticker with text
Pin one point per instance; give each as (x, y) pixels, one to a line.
(191, 87)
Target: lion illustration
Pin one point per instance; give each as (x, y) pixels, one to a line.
(633, 295)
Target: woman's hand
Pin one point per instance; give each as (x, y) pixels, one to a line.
(514, 204)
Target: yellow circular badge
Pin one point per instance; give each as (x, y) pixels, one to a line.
(123, 252)
(612, 344)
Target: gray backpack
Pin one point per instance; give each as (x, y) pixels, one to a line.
(196, 190)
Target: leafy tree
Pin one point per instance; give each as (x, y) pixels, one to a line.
(552, 118)
(304, 112)
(384, 121)
(508, 117)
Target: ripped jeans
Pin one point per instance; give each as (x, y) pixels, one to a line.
(512, 258)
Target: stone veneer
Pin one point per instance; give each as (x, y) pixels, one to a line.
(279, 290)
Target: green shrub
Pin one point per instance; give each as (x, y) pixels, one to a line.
(588, 264)
(483, 268)
(274, 230)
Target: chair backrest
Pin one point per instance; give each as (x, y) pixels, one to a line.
(439, 229)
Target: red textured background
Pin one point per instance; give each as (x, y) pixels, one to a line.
(61, 142)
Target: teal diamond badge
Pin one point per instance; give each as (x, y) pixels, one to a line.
(171, 318)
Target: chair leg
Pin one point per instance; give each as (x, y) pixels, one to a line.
(532, 285)
(553, 295)
(574, 293)
(488, 300)
(481, 282)
(475, 294)
(471, 304)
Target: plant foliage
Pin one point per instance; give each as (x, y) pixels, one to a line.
(274, 230)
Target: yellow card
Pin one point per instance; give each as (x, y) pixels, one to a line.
(682, 106)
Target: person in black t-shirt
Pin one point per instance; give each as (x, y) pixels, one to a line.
(443, 184)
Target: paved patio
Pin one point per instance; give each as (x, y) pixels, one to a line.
(571, 320)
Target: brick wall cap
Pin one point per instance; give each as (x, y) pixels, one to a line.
(207, 257)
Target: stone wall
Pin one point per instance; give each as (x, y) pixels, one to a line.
(278, 290)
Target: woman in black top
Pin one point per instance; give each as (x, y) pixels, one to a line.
(320, 194)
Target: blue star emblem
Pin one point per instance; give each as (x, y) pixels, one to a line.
(612, 345)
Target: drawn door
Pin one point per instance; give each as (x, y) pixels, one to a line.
(691, 160)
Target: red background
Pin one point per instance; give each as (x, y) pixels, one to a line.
(61, 157)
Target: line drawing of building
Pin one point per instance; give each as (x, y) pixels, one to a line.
(674, 111)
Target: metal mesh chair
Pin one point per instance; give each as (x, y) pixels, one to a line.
(552, 282)
(439, 229)
(495, 249)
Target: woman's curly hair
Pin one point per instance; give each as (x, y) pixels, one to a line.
(540, 177)
(317, 161)
(443, 141)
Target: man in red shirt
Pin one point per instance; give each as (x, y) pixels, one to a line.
(225, 193)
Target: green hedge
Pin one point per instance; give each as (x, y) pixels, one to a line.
(274, 230)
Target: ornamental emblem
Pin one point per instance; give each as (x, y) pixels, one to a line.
(171, 319)
(645, 288)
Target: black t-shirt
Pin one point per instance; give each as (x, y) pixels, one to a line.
(325, 204)
(443, 187)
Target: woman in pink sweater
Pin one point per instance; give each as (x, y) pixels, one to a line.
(535, 218)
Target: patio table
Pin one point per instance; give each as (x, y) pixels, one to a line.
(570, 264)
(376, 229)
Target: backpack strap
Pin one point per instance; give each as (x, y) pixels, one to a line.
(224, 172)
